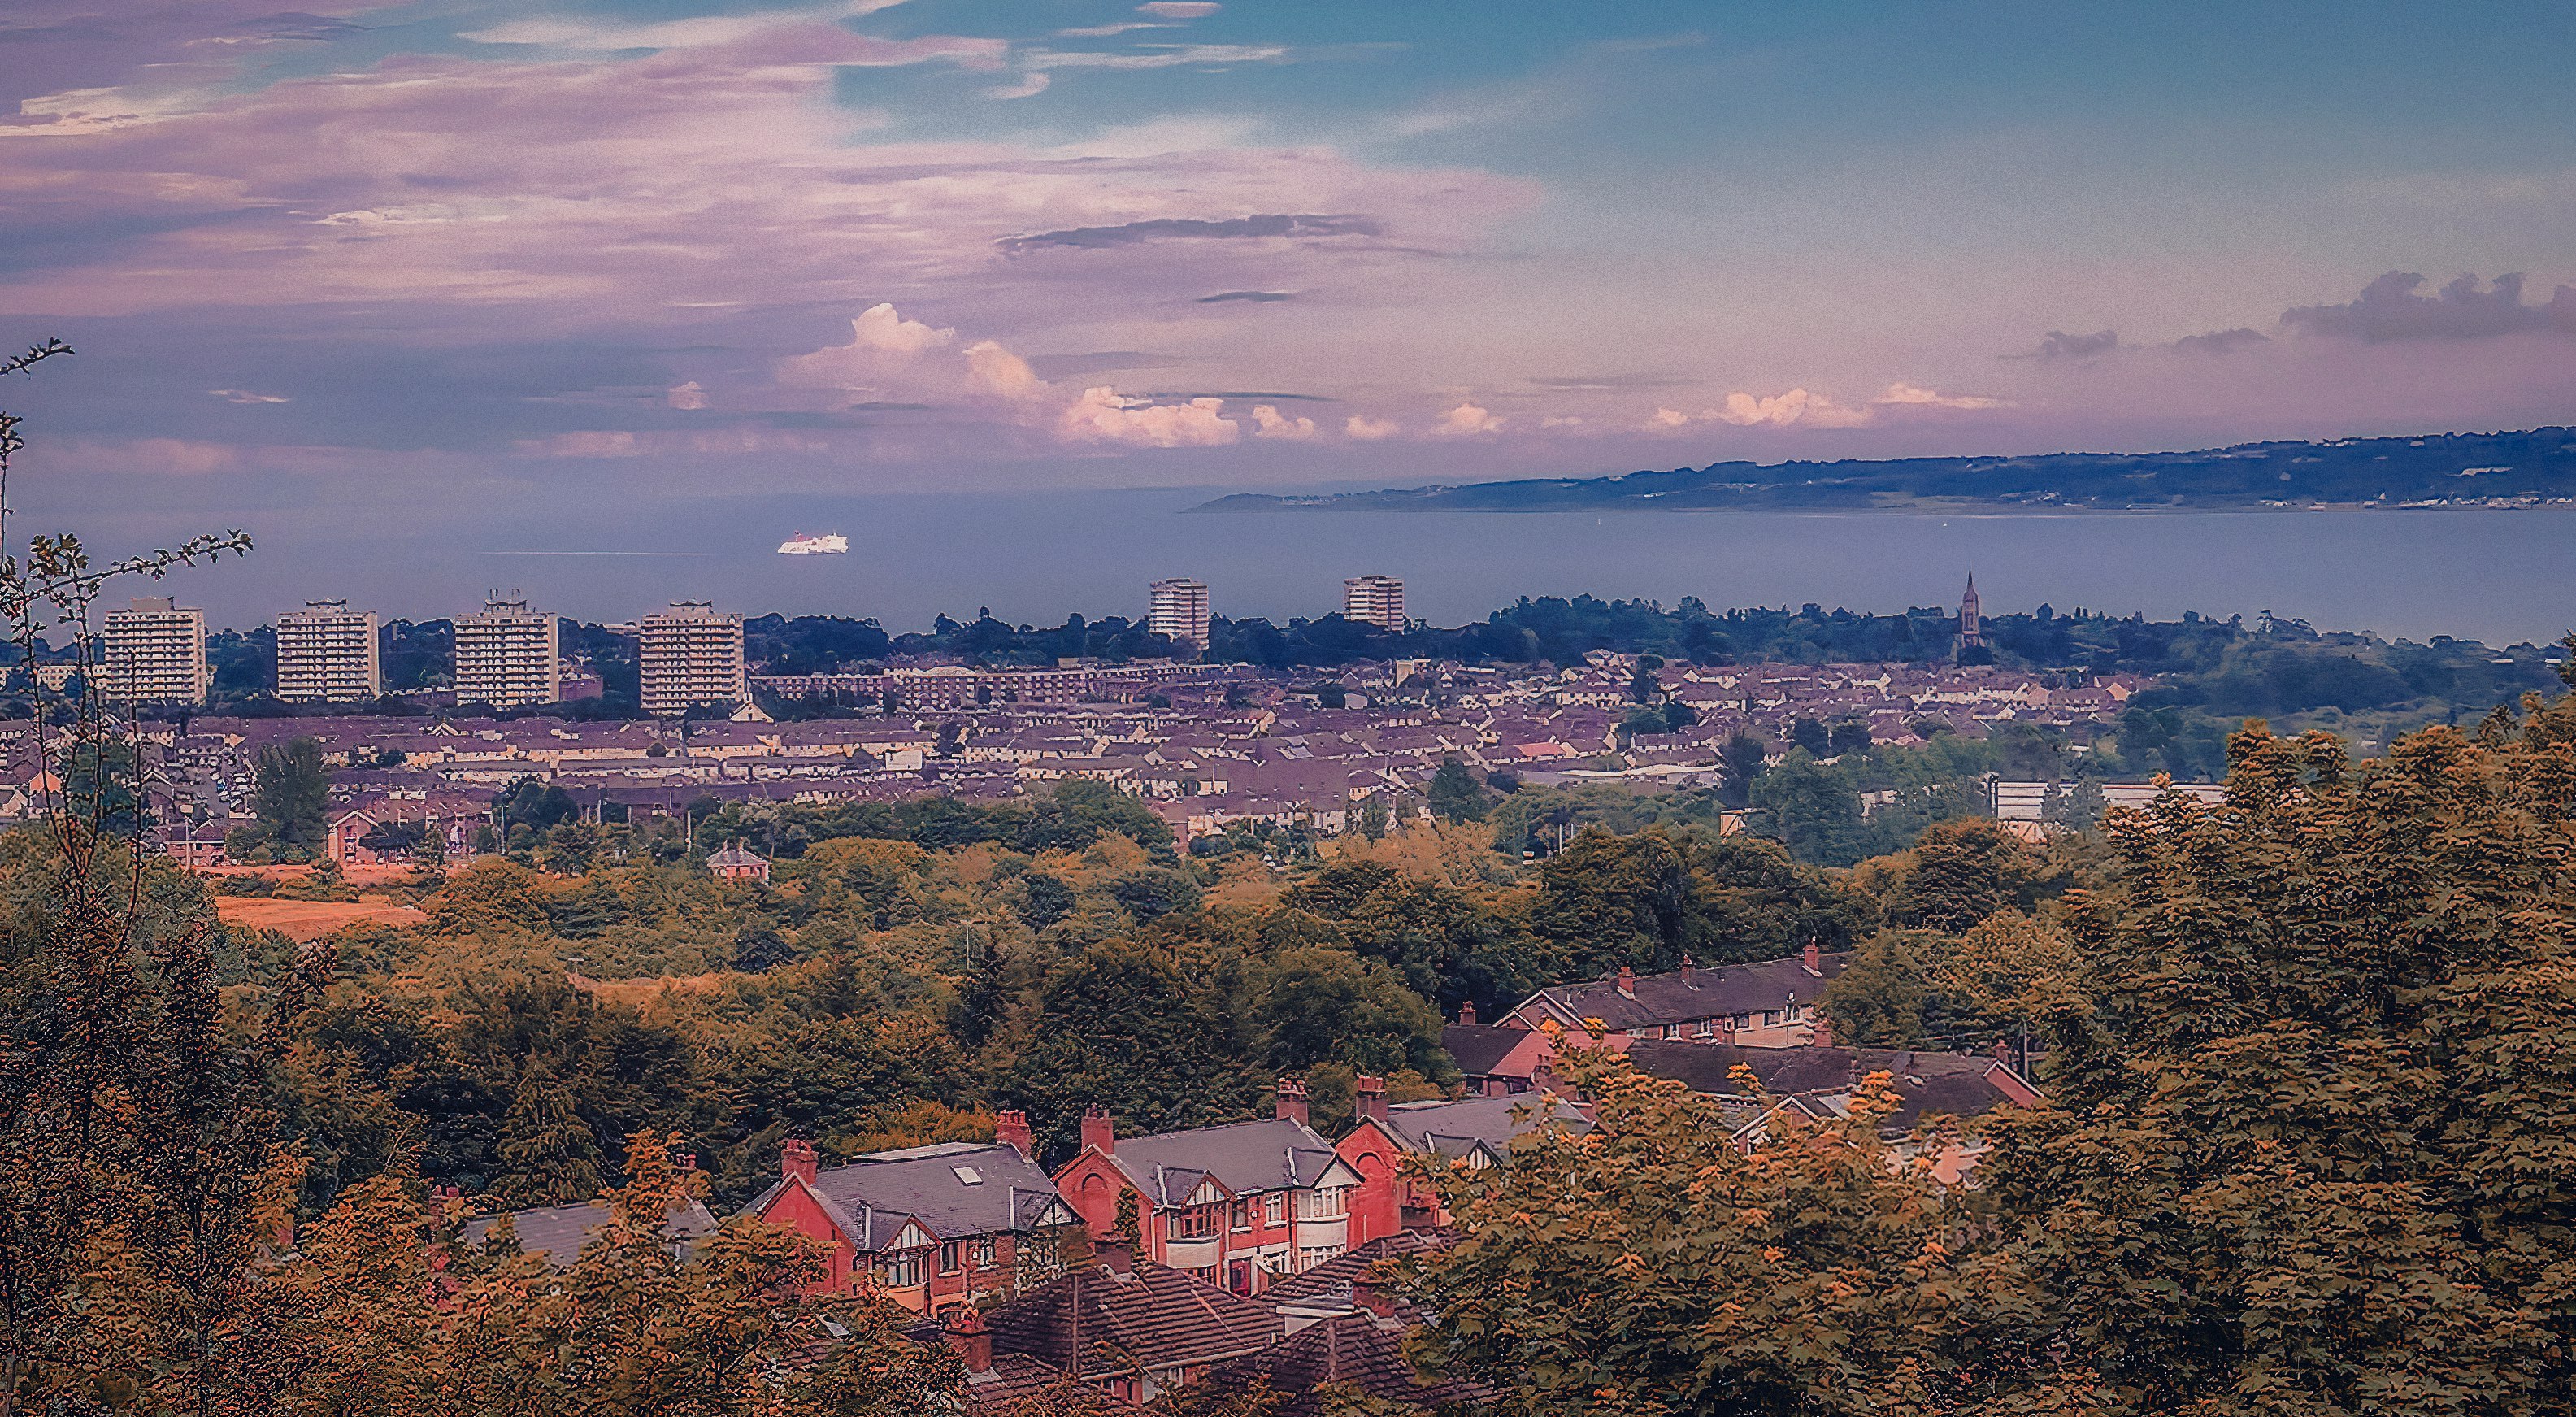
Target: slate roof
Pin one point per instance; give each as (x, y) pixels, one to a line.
(1331, 1280)
(1478, 1047)
(735, 855)
(1244, 1157)
(874, 1194)
(1458, 1128)
(1016, 1378)
(559, 1231)
(1356, 1350)
(1713, 991)
(1950, 1084)
(1152, 1317)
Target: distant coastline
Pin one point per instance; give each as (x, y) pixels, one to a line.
(2508, 471)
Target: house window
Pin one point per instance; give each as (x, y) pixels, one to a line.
(1706, 1026)
(1196, 1223)
(1274, 1207)
(1770, 1017)
(1309, 1256)
(1322, 1203)
(984, 1253)
(1239, 1216)
(901, 1270)
(952, 1256)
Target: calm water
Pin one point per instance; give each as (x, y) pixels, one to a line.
(2497, 576)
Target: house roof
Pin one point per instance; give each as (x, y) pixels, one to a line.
(1688, 994)
(1244, 1157)
(559, 1231)
(1949, 1084)
(1478, 1048)
(735, 855)
(1352, 1351)
(1152, 1317)
(1458, 1128)
(1016, 1378)
(953, 1190)
(1332, 1279)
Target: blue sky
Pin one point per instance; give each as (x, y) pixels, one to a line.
(365, 257)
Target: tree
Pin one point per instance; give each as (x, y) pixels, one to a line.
(1810, 807)
(1153, 893)
(1454, 794)
(1044, 899)
(291, 793)
(1318, 1004)
(1742, 758)
(548, 1153)
(759, 949)
(1128, 1028)
(1650, 1265)
(2307, 1149)
(2010, 972)
(1961, 871)
(1877, 1001)
(1373, 819)
(1811, 734)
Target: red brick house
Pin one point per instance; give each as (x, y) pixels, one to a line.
(1474, 1132)
(926, 1227)
(1230, 1206)
(733, 863)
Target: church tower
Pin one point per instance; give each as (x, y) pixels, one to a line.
(1971, 633)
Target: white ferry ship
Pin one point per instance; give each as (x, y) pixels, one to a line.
(802, 545)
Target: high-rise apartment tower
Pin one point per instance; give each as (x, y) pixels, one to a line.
(154, 652)
(1178, 608)
(326, 654)
(689, 655)
(1374, 600)
(508, 656)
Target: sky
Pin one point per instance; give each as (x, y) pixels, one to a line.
(380, 264)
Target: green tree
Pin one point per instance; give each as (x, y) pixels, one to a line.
(549, 1155)
(1129, 1028)
(1318, 1004)
(291, 792)
(1742, 758)
(1877, 1001)
(2307, 1151)
(1652, 1265)
(1810, 807)
(1373, 819)
(1961, 871)
(1455, 795)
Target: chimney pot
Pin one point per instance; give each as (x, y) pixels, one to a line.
(1098, 1134)
(1815, 960)
(796, 1158)
(1627, 982)
(1690, 973)
(1292, 1100)
(1467, 1013)
(1011, 1129)
(971, 1340)
(1369, 1098)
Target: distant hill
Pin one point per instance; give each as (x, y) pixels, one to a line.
(2528, 469)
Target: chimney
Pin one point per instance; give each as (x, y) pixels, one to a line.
(1292, 1100)
(1823, 1036)
(796, 1158)
(1011, 1129)
(2002, 1052)
(1097, 1133)
(1627, 982)
(1369, 1299)
(1370, 1097)
(973, 1342)
(1815, 960)
(1690, 973)
(1467, 1013)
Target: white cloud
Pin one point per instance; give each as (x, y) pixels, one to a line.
(246, 396)
(592, 443)
(1465, 421)
(1781, 410)
(1178, 9)
(696, 32)
(688, 396)
(1668, 418)
(994, 370)
(1268, 422)
(1029, 86)
(1103, 415)
(1369, 430)
(1926, 398)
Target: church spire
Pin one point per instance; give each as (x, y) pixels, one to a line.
(1972, 630)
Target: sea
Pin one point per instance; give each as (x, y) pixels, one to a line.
(1031, 557)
